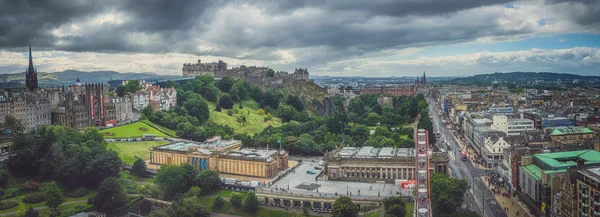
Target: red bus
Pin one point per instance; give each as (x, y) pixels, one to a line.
(463, 156)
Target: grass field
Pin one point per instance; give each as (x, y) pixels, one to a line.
(165, 130)
(133, 130)
(373, 214)
(255, 123)
(129, 150)
(126, 175)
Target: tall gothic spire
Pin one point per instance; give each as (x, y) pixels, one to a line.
(31, 81)
(30, 61)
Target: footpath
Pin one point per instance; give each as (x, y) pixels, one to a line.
(512, 206)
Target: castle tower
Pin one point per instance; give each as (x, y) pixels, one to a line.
(31, 81)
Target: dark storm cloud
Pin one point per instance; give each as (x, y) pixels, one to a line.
(22, 21)
(332, 30)
(166, 15)
(394, 8)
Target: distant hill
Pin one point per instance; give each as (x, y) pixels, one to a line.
(517, 78)
(69, 76)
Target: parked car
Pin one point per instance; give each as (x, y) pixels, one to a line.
(310, 172)
(318, 168)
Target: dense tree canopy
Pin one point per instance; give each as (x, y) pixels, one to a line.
(344, 207)
(110, 196)
(449, 194)
(64, 154)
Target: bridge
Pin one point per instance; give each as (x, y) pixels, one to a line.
(422, 206)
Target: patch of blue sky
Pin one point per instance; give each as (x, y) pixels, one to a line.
(562, 41)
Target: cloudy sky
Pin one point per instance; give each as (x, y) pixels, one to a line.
(346, 37)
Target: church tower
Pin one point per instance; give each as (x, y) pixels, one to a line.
(424, 80)
(31, 80)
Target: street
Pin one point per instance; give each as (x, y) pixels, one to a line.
(478, 194)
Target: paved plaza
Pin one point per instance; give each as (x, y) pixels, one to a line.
(300, 176)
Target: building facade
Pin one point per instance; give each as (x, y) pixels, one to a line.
(587, 193)
(155, 96)
(224, 156)
(571, 135)
(368, 164)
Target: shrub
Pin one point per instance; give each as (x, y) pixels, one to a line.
(35, 198)
(7, 204)
(11, 192)
(236, 199)
(143, 129)
(80, 192)
(230, 113)
(30, 185)
(261, 112)
(218, 202)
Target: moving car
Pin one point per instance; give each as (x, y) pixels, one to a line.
(318, 167)
(310, 172)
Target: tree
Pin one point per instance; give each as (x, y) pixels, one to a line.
(132, 86)
(251, 202)
(305, 212)
(295, 101)
(344, 207)
(377, 109)
(394, 206)
(449, 194)
(357, 106)
(208, 180)
(226, 102)
(197, 108)
(236, 199)
(170, 84)
(193, 192)
(147, 111)
(170, 179)
(54, 196)
(31, 213)
(271, 73)
(225, 84)
(209, 92)
(218, 108)
(218, 202)
(11, 122)
(121, 91)
(286, 113)
(372, 119)
(110, 196)
(139, 168)
(3, 176)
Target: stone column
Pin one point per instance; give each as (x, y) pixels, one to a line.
(380, 172)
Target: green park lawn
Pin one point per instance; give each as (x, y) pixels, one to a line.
(161, 128)
(126, 175)
(255, 123)
(19, 198)
(373, 214)
(129, 150)
(133, 130)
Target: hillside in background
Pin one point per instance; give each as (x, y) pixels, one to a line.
(69, 76)
(518, 78)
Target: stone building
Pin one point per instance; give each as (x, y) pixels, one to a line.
(384, 100)
(405, 90)
(587, 193)
(571, 135)
(252, 162)
(369, 164)
(123, 107)
(196, 69)
(224, 156)
(155, 96)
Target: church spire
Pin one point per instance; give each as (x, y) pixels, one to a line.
(30, 60)
(31, 81)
